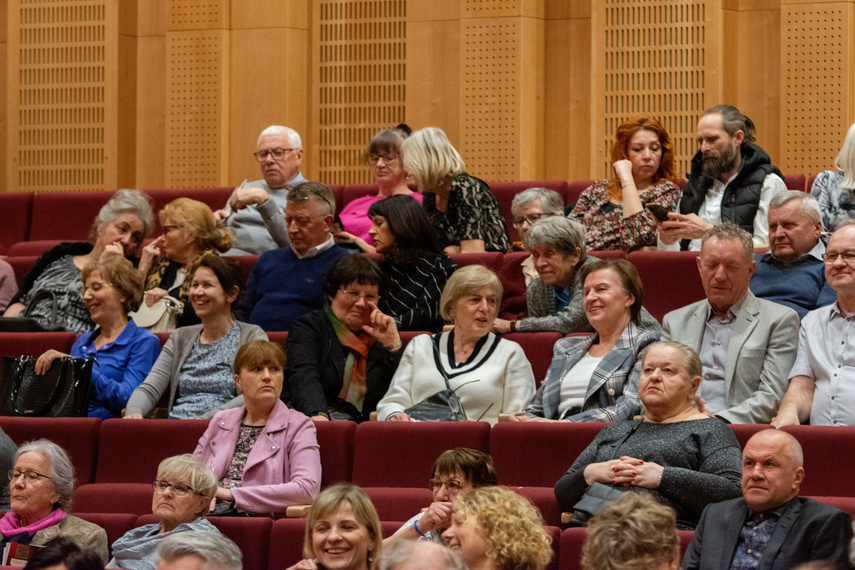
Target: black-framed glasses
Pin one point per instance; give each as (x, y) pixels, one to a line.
(374, 158)
(830, 257)
(277, 153)
(178, 489)
(531, 219)
(29, 476)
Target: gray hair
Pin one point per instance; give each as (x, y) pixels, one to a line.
(188, 467)
(810, 207)
(728, 231)
(293, 137)
(315, 191)
(125, 201)
(564, 234)
(61, 469)
(691, 360)
(845, 161)
(216, 551)
(551, 201)
(732, 120)
(403, 550)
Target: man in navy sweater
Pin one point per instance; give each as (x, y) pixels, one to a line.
(792, 273)
(286, 283)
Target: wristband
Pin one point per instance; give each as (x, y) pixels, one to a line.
(416, 526)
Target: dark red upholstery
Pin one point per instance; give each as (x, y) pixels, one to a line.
(251, 534)
(21, 266)
(336, 441)
(544, 499)
(846, 504)
(338, 192)
(116, 524)
(572, 540)
(162, 337)
(215, 198)
(33, 344)
(795, 182)
(743, 432)
(399, 503)
(554, 533)
(277, 336)
(513, 306)
(505, 192)
(671, 279)
(538, 349)
(17, 208)
(489, 259)
(827, 451)
(609, 254)
(286, 542)
(67, 216)
(809, 186)
(114, 498)
(401, 454)
(407, 336)
(33, 248)
(247, 262)
(77, 436)
(353, 191)
(130, 450)
(575, 189)
(537, 454)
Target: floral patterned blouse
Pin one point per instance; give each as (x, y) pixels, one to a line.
(836, 204)
(605, 226)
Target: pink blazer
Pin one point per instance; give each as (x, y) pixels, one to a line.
(283, 468)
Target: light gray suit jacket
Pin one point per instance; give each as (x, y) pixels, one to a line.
(761, 351)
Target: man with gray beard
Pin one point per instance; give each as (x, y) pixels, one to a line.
(732, 180)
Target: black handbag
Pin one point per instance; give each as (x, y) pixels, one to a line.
(25, 323)
(444, 406)
(61, 392)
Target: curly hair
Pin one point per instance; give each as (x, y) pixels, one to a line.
(631, 533)
(620, 150)
(512, 525)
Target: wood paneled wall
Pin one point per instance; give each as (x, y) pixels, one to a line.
(100, 94)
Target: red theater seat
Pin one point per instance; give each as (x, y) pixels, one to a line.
(544, 499)
(572, 540)
(17, 209)
(114, 498)
(66, 216)
(278, 337)
(215, 198)
(809, 187)
(251, 534)
(21, 266)
(400, 503)
(575, 189)
(490, 259)
(828, 452)
(247, 262)
(505, 192)
(35, 343)
(513, 305)
(538, 349)
(33, 248)
(353, 191)
(286, 542)
(336, 442)
(846, 504)
(670, 278)
(743, 432)
(116, 524)
(795, 182)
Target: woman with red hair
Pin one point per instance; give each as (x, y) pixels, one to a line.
(615, 211)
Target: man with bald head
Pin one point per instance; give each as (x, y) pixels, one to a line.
(770, 527)
(255, 211)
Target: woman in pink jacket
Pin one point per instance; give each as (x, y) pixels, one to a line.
(264, 455)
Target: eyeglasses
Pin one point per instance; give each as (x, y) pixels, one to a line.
(298, 197)
(178, 489)
(387, 158)
(94, 287)
(277, 153)
(830, 257)
(452, 487)
(531, 219)
(353, 296)
(29, 476)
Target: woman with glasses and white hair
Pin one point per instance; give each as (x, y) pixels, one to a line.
(40, 488)
(183, 490)
(462, 209)
(835, 189)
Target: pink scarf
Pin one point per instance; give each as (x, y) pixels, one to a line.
(11, 525)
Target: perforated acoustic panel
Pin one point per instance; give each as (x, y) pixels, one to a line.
(362, 73)
(818, 64)
(58, 96)
(656, 60)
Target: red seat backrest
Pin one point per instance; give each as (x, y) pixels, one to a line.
(251, 534)
(247, 262)
(116, 524)
(846, 504)
(67, 216)
(513, 305)
(33, 248)
(572, 540)
(505, 192)
(743, 432)
(399, 503)
(336, 442)
(795, 182)
(575, 189)
(538, 349)
(214, 198)
(809, 187)
(490, 259)
(35, 343)
(828, 453)
(17, 208)
(113, 498)
(286, 542)
(21, 266)
(544, 499)
(353, 191)
(671, 279)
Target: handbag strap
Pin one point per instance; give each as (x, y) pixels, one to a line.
(636, 424)
(438, 358)
(34, 300)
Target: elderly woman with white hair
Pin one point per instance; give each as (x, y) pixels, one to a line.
(835, 189)
(40, 488)
(488, 374)
(462, 208)
(183, 491)
(55, 279)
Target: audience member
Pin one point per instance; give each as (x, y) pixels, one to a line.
(254, 210)
(119, 228)
(615, 211)
(770, 526)
(416, 266)
(595, 378)
(182, 492)
(633, 532)
(8, 448)
(195, 365)
(188, 232)
(195, 550)
(455, 471)
(40, 487)
(821, 380)
(489, 375)
(342, 531)
(732, 180)
(384, 157)
(835, 189)
(793, 273)
(746, 345)
(8, 284)
(122, 354)
(264, 454)
(62, 553)
(285, 283)
(464, 212)
(495, 529)
(341, 358)
(676, 454)
(420, 555)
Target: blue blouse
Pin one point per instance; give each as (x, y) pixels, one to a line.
(118, 367)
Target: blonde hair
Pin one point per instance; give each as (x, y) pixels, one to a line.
(429, 156)
(845, 161)
(195, 217)
(632, 533)
(512, 525)
(363, 509)
(187, 467)
(466, 281)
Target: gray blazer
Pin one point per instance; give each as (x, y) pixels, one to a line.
(761, 351)
(165, 372)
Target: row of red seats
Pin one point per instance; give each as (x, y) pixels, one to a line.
(67, 216)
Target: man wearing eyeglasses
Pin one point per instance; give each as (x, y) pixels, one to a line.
(254, 211)
(822, 380)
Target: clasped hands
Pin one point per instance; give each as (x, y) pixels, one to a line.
(625, 471)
